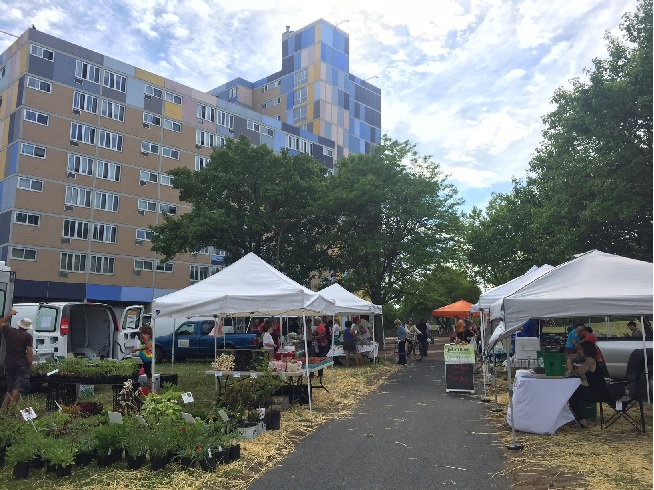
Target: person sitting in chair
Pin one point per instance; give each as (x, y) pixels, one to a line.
(596, 391)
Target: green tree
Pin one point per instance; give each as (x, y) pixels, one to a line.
(249, 199)
(394, 217)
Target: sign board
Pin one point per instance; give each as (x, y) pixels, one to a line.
(459, 367)
(183, 343)
(187, 397)
(28, 414)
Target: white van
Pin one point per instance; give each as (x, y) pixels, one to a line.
(78, 329)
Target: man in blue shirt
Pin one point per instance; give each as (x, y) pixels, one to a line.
(401, 342)
(574, 339)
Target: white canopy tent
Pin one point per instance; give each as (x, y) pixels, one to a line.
(594, 284)
(350, 304)
(591, 285)
(248, 287)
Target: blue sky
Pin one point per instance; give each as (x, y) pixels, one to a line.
(466, 81)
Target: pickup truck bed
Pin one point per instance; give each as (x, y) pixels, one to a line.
(616, 352)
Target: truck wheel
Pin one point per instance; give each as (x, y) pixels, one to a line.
(159, 354)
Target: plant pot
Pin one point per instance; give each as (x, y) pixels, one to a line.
(37, 463)
(273, 419)
(63, 471)
(3, 453)
(117, 455)
(50, 468)
(235, 452)
(223, 456)
(186, 462)
(21, 470)
(208, 464)
(158, 462)
(84, 459)
(135, 462)
(105, 459)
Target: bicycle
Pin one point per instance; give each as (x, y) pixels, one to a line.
(414, 350)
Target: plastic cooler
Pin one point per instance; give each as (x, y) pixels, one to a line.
(590, 411)
(553, 362)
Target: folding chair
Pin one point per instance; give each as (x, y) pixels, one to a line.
(637, 384)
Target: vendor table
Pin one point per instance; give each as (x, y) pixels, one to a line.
(540, 403)
(369, 350)
(291, 378)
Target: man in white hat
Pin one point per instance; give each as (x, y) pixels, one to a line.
(18, 358)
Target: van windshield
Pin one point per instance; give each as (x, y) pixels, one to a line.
(46, 320)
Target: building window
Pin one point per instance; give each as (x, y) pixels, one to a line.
(172, 125)
(252, 126)
(41, 52)
(108, 171)
(148, 176)
(199, 272)
(164, 267)
(299, 114)
(87, 71)
(32, 150)
(82, 133)
(20, 253)
(300, 77)
(36, 117)
(106, 201)
(327, 151)
(174, 98)
(170, 152)
(221, 142)
(153, 91)
(75, 229)
(142, 234)
(111, 141)
(148, 147)
(166, 180)
(102, 264)
(167, 208)
(300, 95)
(293, 142)
(104, 233)
(204, 138)
(233, 93)
(268, 131)
(226, 119)
(305, 146)
(113, 110)
(114, 81)
(145, 205)
(271, 103)
(78, 196)
(206, 112)
(201, 162)
(72, 262)
(27, 218)
(38, 84)
(30, 184)
(152, 119)
(85, 102)
(80, 164)
(143, 265)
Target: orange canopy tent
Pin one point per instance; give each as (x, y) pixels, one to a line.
(460, 308)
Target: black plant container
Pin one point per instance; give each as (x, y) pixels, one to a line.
(223, 456)
(21, 470)
(235, 452)
(135, 462)
(84, 459)
(37, 463)
(208, 464)
(63, 471)
(273, 419)
(105, 460)
(158, 462)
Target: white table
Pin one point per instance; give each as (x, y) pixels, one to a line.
(541, 403)
(368, 350)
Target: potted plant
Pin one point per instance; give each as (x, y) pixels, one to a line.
(20, 454)
(135, 443)
(60, 455)
(107, 441)
(81, 433)
(161, 440)
(191, 438)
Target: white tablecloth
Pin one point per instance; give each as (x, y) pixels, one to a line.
(370, 350)
(541, 404)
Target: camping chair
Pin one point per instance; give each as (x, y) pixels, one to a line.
(636, 385)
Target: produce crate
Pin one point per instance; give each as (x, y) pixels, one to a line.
(553, 362)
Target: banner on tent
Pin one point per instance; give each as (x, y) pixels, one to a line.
(459, 367)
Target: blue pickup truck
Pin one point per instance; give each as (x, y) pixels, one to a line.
(192, 339)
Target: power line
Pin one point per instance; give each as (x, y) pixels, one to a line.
(9, 33)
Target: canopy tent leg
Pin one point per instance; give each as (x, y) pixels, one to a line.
(306, 358)
(513, 446)
(497, 407)
(642, 327)
(172, 355)
(154, 355)
(484, 361)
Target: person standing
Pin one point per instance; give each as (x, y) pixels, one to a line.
(401, 342)
(349, 344)
(18, 359)
(423, 336)
(633, 328)
(321, 337)
(144, 350)
(268, 342)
